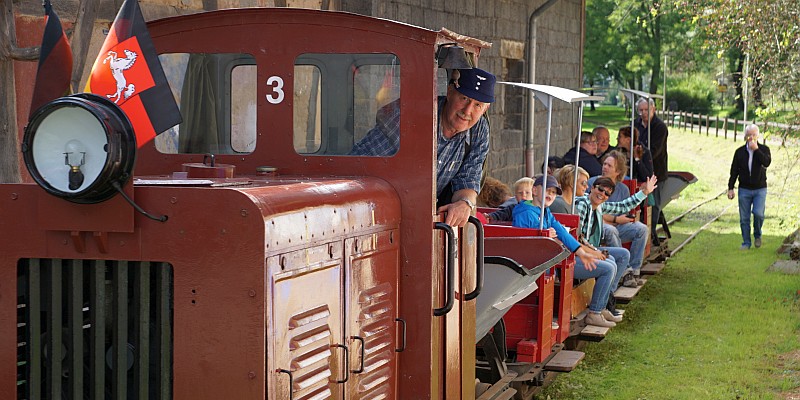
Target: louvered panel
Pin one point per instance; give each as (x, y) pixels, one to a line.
(380, 394)
(376, 311)
(376, 361)
(376, 317)
(378, 341)
(305, 339)
(310, 351)
(319, 394)
(306, 317)
(318, 376)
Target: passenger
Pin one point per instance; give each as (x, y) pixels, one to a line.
(642, 158)
(653, 135)
(750, 164)
(566, 177)
(553, 164)
(494, 193)
(462, 141)
(603, 141)
(588, 152)
(590, 209)
(523, 190)
(623, 227)
(589, 263)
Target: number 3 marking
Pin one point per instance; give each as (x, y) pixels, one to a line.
(276, 82)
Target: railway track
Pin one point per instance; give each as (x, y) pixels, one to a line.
(690, 210)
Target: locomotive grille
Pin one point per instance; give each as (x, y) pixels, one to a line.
(94, 329)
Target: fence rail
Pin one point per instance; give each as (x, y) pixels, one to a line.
(725, 126)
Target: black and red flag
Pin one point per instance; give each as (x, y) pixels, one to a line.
(127, 71)
(55, 62)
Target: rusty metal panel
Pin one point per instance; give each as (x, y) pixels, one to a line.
(373, 268)
(114, 215)
(306, 325)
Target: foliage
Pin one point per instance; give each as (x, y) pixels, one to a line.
(626, 40)
(766, 30)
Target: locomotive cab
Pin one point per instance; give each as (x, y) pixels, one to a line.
(285, 267)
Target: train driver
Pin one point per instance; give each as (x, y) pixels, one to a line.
(462, 141)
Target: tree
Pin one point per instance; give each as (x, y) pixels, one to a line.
(768, 31)
(626, 40)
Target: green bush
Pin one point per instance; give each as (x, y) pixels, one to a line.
(683, 100)
(694, 94)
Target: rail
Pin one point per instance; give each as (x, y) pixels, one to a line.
(720, 125)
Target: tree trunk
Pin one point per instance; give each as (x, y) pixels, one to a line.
(737, 82)
(656, 54)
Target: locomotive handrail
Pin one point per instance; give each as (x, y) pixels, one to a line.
(403, 347)
(363, 350)
(291, 381)
(346, 362)
(478, 261)
(451, 269)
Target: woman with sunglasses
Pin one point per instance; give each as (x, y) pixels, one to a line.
(590, 209)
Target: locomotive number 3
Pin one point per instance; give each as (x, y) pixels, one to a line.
(276, 83)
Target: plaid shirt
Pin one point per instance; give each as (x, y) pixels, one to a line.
(384, 140)
(591, 224)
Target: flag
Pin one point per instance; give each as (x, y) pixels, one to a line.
(127, 71)
(55, 62)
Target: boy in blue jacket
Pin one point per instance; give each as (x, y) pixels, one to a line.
(589, 263)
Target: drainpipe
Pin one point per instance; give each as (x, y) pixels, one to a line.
(530, 50)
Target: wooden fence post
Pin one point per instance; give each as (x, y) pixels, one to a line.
(735, 121)
(725, 127)
(708, 120)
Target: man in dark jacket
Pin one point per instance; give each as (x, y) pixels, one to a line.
(653, 134)
(749, 165)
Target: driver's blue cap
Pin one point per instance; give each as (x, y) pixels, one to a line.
(476, 84)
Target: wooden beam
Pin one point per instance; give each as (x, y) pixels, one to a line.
(81, 38)
(9, 146)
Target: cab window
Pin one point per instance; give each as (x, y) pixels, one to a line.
(337, 98)
(216, 93)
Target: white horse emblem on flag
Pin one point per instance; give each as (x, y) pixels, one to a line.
(118, 65)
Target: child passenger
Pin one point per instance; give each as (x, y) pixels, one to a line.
(523, 190)
(589, 263)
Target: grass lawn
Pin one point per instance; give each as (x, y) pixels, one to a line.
(714, 324)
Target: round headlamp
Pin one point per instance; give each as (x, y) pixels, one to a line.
(77, 147)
